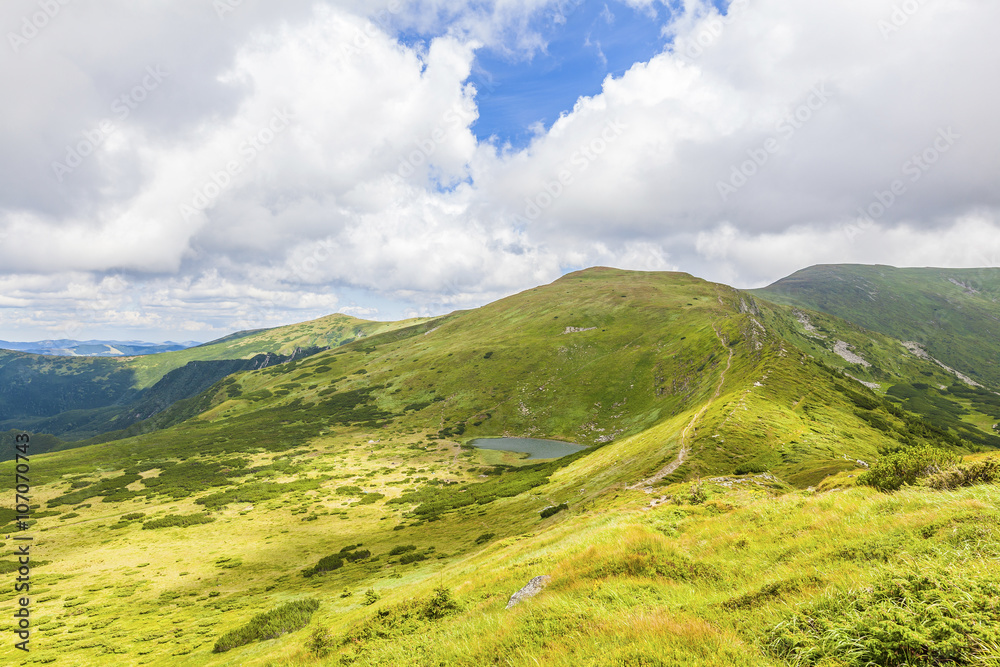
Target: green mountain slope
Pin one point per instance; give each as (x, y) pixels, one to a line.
(76, 398)
(328, 331)
(685, 534)
(952, 314)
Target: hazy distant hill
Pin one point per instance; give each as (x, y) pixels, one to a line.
(77, 397)
(95, 348)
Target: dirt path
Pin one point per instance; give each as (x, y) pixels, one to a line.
(685, 442)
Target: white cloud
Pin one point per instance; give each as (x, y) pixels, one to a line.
(371, 179)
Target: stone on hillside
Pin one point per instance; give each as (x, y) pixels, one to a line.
(533, 588)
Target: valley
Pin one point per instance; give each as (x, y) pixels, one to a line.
(332, 508)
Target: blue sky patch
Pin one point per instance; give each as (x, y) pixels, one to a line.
(596, 40)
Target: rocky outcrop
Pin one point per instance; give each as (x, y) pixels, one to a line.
(534, 587)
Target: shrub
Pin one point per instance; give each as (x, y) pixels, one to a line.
(485, 537)
(549, 511)
(370, 498)
(320, 642)
(905, 467)
(269, 625)
(325, 564)
(177, 520)
(750, 469)
(440, 605)
(403, 618)
(965, 474)
(412, 558)
(371, 597)
(698, 495)
(402, 549)
(925, 615)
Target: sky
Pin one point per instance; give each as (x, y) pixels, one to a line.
(182, 169)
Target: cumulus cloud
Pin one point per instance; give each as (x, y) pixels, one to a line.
(181, 168)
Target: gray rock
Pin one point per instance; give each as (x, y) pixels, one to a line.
(533, 588)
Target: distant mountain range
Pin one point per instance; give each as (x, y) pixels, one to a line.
(96, 348)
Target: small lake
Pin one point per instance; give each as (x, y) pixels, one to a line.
(538, 449)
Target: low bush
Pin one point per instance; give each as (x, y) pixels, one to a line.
(904, 468)
(403, 618)
(412, 558)
(965, 474)
(269, 625)
(550, 511)
(325, 564)
(177, 520)
(402, 549)
(922, 616)
(114, 486)
(320, 642)
(485, 537)
(357, 555)
(370, 498)
(750, 469)
(257, 492)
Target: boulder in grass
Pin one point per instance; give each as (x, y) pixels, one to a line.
(534, 587)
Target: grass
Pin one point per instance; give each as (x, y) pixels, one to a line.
(417, 542)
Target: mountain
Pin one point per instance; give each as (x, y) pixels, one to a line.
(95, 348)
(76, 398)
(333, 510)
(951, 315)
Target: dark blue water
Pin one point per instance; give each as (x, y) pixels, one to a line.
(538, 449)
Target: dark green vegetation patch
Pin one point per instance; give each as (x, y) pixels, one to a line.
(269, 625)
(178, 521)
(920, 615)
